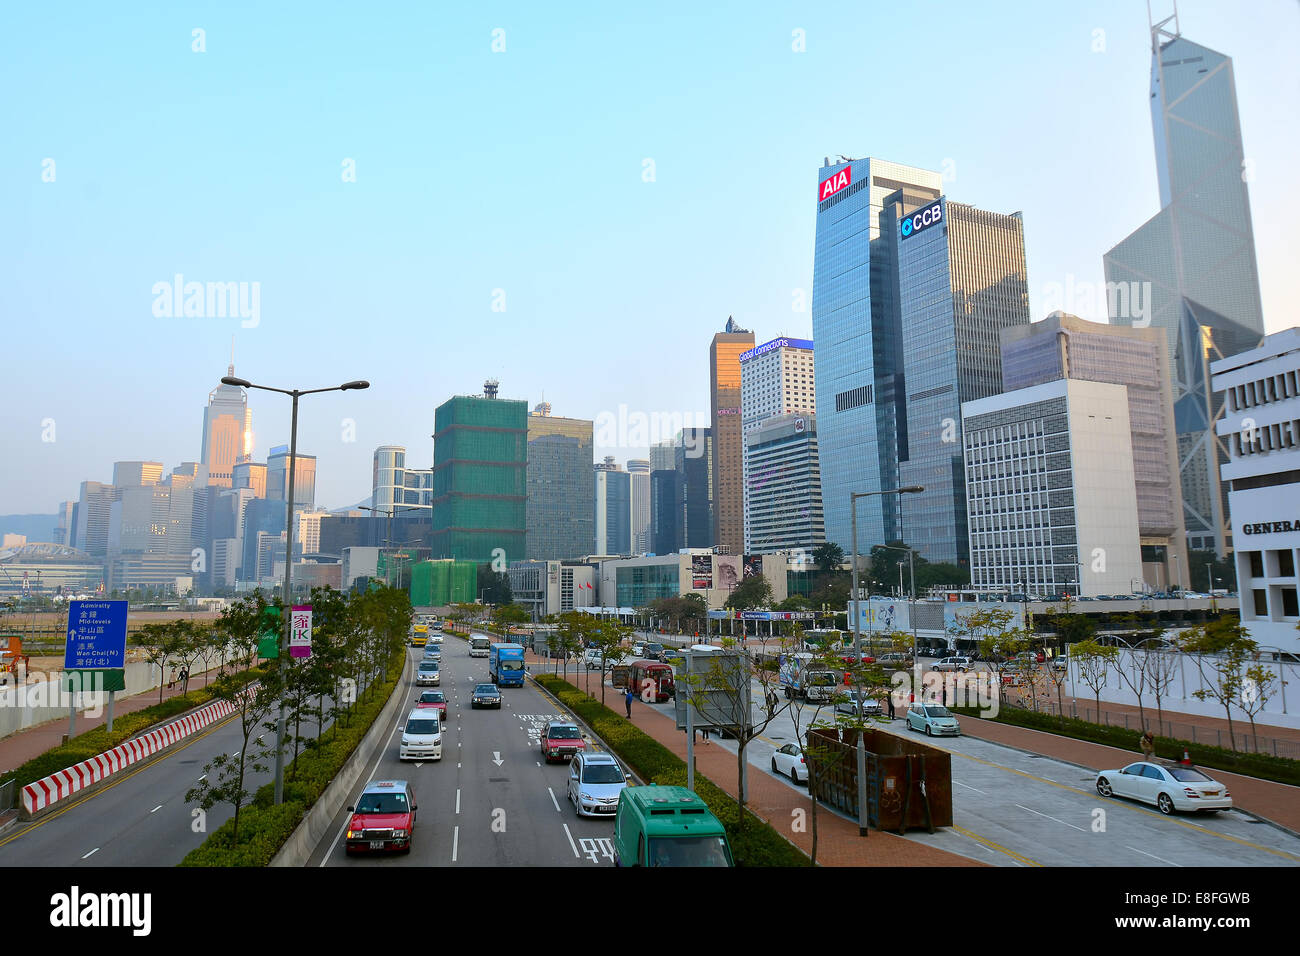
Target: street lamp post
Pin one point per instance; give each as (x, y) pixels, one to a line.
(388, 536)
(286, 610)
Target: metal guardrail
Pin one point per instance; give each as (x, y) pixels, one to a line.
(8, 790)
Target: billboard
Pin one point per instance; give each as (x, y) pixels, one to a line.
(834, 183)
(956, 615)
(883, 614)
(753, 565)
(922, 219)
(701, 572)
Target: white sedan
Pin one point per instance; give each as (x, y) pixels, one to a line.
(789, 762)
(1169, 788)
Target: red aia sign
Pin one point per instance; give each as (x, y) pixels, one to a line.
(830, 187)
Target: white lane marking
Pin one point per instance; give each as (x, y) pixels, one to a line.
(458, 801)
(92, 852)
(236, 753)
(398, 721)
(455, 843)
(1023, 807)
(539, 763)
(570, 836)
(1153, 856)
(553, 800)
(156, 809)
(457, 766)
(976, 789)
(201, 778)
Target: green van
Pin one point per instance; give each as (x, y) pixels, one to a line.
(667, 826)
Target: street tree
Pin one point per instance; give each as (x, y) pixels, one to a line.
(754, 591)
(1258, 686)
(1222, 650)
(1095, 662)
(607, 637)
(162, 643)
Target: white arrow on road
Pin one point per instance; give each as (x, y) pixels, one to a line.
(419, 764)
(496, 758)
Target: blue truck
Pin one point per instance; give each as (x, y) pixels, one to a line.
(506, 665)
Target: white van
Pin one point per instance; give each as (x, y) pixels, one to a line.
(422, 736)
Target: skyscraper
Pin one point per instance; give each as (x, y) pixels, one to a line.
(695, 463)
(480, 493)
(227, 431)
(304, 478)
(776, 379)
(94, 513)
(638, 470)
(1193, 263)
(961, 281)
(728, 447)
(857, 333)
(135, 474)
(783, 494)
(561, 487)
(397, 488)
(613, 509)
(250, 475)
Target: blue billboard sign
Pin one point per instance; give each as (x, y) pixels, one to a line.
(96, 635)
(922, 219)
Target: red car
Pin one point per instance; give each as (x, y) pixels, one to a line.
(383, 818)
(560, 741)
(435, 699)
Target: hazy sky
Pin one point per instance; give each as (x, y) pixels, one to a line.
(620, 178)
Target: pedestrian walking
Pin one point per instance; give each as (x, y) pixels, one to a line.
(171, 680)
(185, 680)
(889, 699)
(629, 696)
(1148, 744)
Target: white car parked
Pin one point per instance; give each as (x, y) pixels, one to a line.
(789, 762)
(1169, 788)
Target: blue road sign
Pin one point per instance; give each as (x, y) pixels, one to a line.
(96, 635)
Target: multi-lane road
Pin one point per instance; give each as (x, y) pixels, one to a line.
(491, 800)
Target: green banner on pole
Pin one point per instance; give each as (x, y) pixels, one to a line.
(268, 647)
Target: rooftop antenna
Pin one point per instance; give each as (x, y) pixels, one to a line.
(490, 388)
(1158, 31)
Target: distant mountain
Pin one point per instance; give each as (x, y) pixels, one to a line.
(35, 527)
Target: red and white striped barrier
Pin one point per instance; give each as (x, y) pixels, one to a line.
(64, 783)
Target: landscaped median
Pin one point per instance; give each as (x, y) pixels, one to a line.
(1263, 766)
(263, 826)
(87, 758)
(757, 845)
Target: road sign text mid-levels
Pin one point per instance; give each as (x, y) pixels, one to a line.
(96, 635)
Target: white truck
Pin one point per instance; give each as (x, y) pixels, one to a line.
(800, 679)
(479, 645)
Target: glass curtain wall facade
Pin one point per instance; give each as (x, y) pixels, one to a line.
(728, 448)
(695, 465)
(561, 486)
(639, 586)
(857, 335)
(227, 432)
(1193, 263)
(962, 279)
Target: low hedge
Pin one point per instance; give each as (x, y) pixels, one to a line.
(97, 741)
(757, 845)
(263, 826)
(1264, 766)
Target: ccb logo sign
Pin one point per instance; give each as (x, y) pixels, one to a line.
(923, 219)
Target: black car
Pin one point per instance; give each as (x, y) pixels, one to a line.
(485, 695)
(653, 651)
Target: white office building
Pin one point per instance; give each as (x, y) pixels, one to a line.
(1050, 490)
(783, 491)
(776, 380)
(1261, 426)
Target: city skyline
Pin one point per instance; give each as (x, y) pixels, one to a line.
(315, 282)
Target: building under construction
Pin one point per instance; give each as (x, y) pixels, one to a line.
(480, 456)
